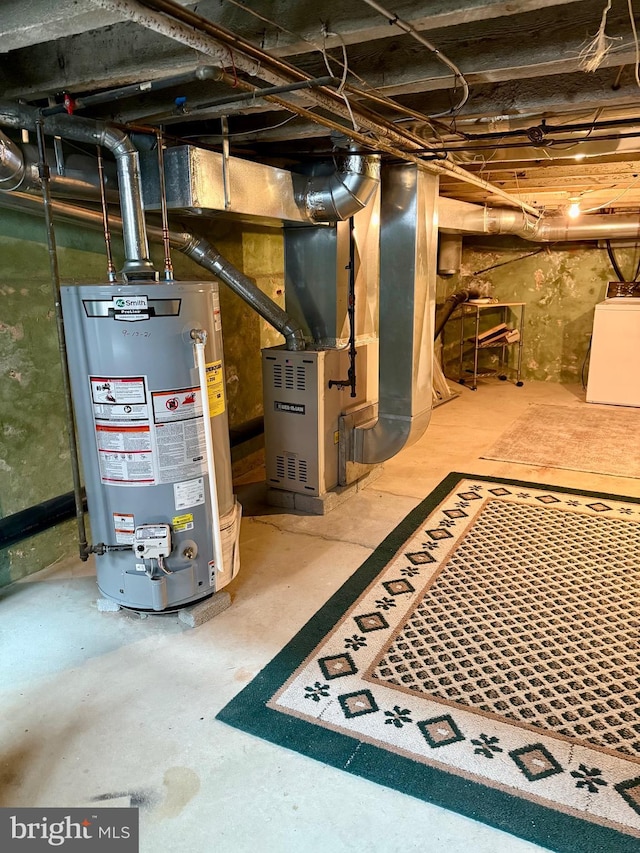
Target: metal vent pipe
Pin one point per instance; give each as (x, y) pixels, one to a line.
(408, 239)
(345, 192)
(137, 262)
(197, 248)
(458, 217)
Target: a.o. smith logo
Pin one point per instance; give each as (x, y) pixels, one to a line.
(84, 831)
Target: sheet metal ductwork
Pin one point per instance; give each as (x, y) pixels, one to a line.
(19, 171)
(345, 192)
(458, 217)
(205, 182)
(137, 263)
(408, 242)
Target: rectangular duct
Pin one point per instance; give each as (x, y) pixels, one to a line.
(202, 182)
(317, 277)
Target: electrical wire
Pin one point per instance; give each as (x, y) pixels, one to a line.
(345, 65)
(368, 91)
(584, 364)
(635, 40)
(408, 28)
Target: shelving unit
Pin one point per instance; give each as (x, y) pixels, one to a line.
(473, 309)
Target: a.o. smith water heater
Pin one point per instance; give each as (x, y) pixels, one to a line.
(138, 398)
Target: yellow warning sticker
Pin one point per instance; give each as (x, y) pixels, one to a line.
(182, 522)
(215, 387)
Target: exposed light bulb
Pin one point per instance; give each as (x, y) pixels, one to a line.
(574, 210)
(579, 156)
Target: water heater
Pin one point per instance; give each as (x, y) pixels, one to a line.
(138, 399)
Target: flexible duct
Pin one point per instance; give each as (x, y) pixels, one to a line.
(197, 248)
(137, 262)
(345, 192)
(450, 305)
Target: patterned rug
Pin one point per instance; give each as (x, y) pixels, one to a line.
(484, 658)
(584, 437)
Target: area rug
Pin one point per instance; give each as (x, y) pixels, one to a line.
(484, 658)
(599, 439)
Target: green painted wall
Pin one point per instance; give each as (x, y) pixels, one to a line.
(560, 286)
(34, 455)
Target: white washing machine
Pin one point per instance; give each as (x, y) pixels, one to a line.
(614, 366)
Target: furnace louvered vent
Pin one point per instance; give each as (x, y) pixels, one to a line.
(292, 469)
(277, 375)
(301, 378)
(288, 377)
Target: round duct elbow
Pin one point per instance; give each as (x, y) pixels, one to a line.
(344, 193)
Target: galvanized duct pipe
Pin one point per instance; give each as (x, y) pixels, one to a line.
(19, 171)
(463, 218)
(203, 253)
(197, 248)
(11, 164)
(137, 263)
(408, 239)
(345, 192)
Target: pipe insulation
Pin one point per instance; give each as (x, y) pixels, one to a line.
(137, 263)
(197, 248)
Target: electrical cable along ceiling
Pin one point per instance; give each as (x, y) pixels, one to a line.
(531, 104)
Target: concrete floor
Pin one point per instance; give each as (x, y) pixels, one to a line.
(102, 705)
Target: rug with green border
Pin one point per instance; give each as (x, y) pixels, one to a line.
(485, 658)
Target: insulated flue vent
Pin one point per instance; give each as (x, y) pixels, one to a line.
(277, 375)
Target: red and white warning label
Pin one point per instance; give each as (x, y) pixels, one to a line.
(179, 432)
(124, 526)
(124, 438)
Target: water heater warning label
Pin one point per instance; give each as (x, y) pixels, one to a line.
(179, 432)
(188, 494)
(124, 438)
(215, 387)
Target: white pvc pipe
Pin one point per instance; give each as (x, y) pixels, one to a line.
(200, 337)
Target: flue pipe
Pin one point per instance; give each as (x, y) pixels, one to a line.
(196, 248)
(19, 171)
(137, 263)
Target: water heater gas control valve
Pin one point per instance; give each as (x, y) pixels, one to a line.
(153, 541)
